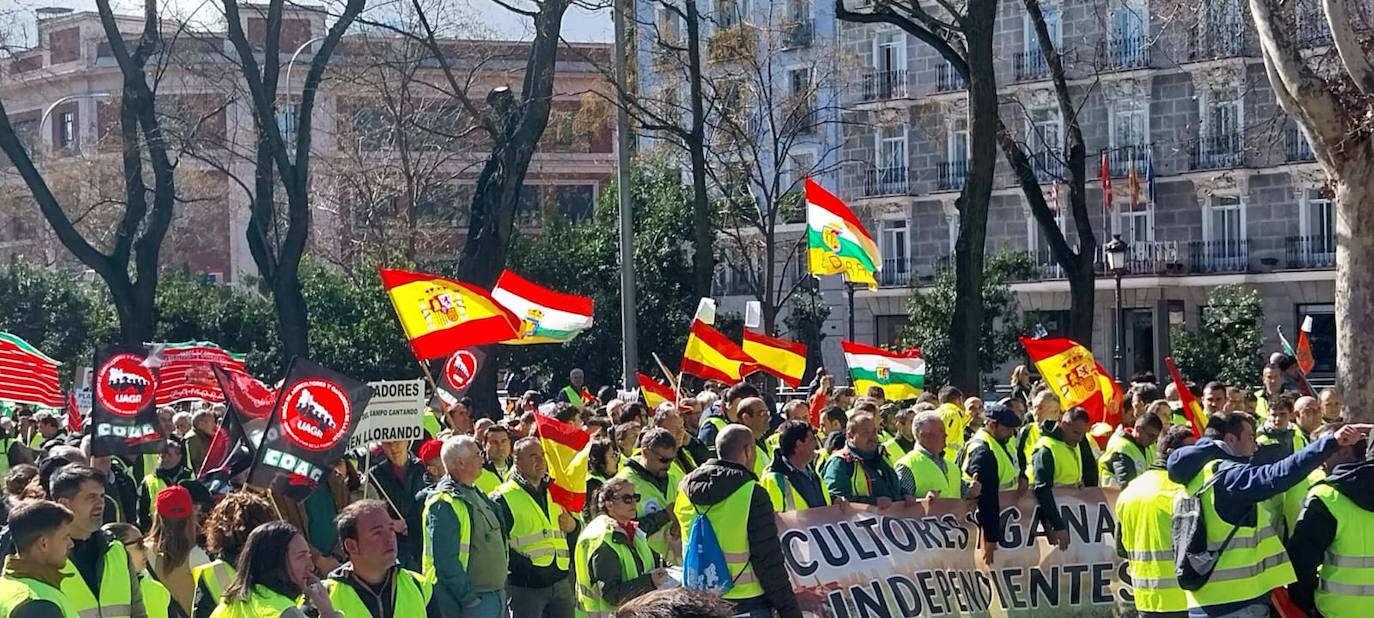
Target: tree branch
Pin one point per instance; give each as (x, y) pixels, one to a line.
(1348, 45)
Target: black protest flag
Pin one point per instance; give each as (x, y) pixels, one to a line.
(123, 410)
(245, 418)
(316, 411)
(453, 375)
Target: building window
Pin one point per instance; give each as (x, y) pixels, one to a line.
(1047, 323)
(889, 52)
(888, 329)
(957, 144)
(1053, 22)
(894, 251)
(286, 122)
(1045, 136)
(669, 26)
(891, 153)
(1319, 222)
(1323, 337)
(1140, 224)
(66, 130)
(575, 201)
(730, 13)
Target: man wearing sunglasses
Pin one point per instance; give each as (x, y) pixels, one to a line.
(656, 482)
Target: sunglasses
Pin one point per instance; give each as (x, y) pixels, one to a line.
(668, 459)
(627, 498)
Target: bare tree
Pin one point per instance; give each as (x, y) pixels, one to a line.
(1329, 95)
(129, 266)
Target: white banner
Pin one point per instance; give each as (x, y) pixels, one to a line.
(395, 412)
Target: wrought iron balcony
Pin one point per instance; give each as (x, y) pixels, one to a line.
(798, 33)
(1217, 151)
(1219, 256)
(1296, 149)
(1225, 39)
(1119, 160)
(947, 79)
(882, 85)
(1030, 65)
(951, 174)
(1048, 164)
(890, 180)
(1128, 52)
(896, 272)
(1310, 251)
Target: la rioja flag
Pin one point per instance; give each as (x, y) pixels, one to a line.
(317, 410)
(123, 410)
(545, 316)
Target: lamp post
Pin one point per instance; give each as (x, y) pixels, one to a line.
(47, 111)
(1117, 264)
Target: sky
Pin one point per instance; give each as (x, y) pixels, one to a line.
(496, 22)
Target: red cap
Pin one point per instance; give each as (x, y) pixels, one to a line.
(174, 502)
(429, 449)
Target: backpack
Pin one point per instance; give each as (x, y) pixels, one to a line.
(703, 563)
(1193, 565)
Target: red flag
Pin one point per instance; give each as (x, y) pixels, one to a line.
(1191, 408)
(73, 414)
(564, 451)
(654, 392)
(1304, 352)
(1106, 173)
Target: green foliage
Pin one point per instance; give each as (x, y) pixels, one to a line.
(238, 319)
(930, 317)
(353, 328)
(1226, 344)
(582, 257)
(56, 313)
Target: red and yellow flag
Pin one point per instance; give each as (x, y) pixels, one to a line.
(1072, 373)
(565, 452)
(1192, 410)
(441, 316)
(780, 357)
(655, 392)
(710, 355)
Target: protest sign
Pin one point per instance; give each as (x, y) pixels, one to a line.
(394, 413)
(854, 560)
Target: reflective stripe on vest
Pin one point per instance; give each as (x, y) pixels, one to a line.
(1007, 473)
(601, 531)
(1144, 511)
(263, 603)
(460, 510)
(780, 491)
(220, 576)
(410, 594)
(726, 517)
(653, 500)
(1345, 586)
(15, 591)
(116, 587)
(1254, 562)
(1120, 443)
(1068, 463)
(535, 533)
(928, 476)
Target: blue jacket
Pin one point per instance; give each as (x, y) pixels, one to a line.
(1243, 485)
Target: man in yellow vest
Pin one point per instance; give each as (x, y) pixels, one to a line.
(902, 440)
(1126, 454)
(465, 540)
(987, 460)
(790, 481)
(1332, 545)
(1044, 413)
(1272, 388)
(371, 583)
(1254, 561)
(537, 529)
(1057, 462)
(98, 577)
(724, 412)
(1144, 526)
(576, 392)
(496, 464)
(954, 415)
(753, 413)
(651, 473)
(725, 492)
(858, 472)
(170, 471)
(928, 471)
(42, 535)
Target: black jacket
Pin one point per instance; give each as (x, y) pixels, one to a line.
(401, 493)
(381, 602)
(1316, 528)
(712, 483)
(982, 467)
(805, 483)
(146, 499)
(1042, 461)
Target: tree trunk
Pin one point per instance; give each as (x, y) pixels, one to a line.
(966, 331)
(1082, 301)
(1355, 284)
(291, 316)
(703, 257)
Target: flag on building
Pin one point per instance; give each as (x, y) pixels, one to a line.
(655, 392)
(544, 316)
(440, 315)
(27, 375)
(710, 355)
(1133, 180)
(1106, 173)
(184, 371)
(780, 357)
(836, 242)
(1076, 377)
(1192, 410)
(564, 451)
(1150, 173)
(901, 375)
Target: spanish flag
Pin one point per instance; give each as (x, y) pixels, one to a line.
(780, 357)
(711, 355)
(655, 392)
(441, 316)
(564, 451)
(1072, 373)
(1192, 410)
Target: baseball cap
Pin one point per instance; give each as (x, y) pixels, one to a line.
(429, 449)
(174, 502)
(1002, 415)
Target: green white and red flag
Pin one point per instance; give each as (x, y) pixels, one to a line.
(27, 375)
(185, 372)
(545, 316)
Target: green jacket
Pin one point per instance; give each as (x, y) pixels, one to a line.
(453, 588)
(839, 475)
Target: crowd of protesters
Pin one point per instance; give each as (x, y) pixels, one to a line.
(466, 523)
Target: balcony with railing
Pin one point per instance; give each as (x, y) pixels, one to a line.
(1214, 41)
(950, 175)
(890, 180)
(884, 85)
(801, 115)
(896, 272)
(1296, 149)
(1217, 151)
(1121, 158)
(1030, 65)
(1218, 256)
(1048, 165)
(1126, 52)
(798, 33)
(1310, 251)
(947, 79)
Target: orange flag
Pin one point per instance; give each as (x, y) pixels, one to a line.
(1079, 380)
(710, 355)
(780, 357)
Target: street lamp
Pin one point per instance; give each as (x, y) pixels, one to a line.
(1117, 264)
(47, 111)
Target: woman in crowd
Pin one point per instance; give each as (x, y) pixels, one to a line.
(16, 480)
(1020, 384)
(619, 564)
(170, 541)
(226, 532)
(602, 463)
(627, 439)
(268, 584)
(157, 600)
